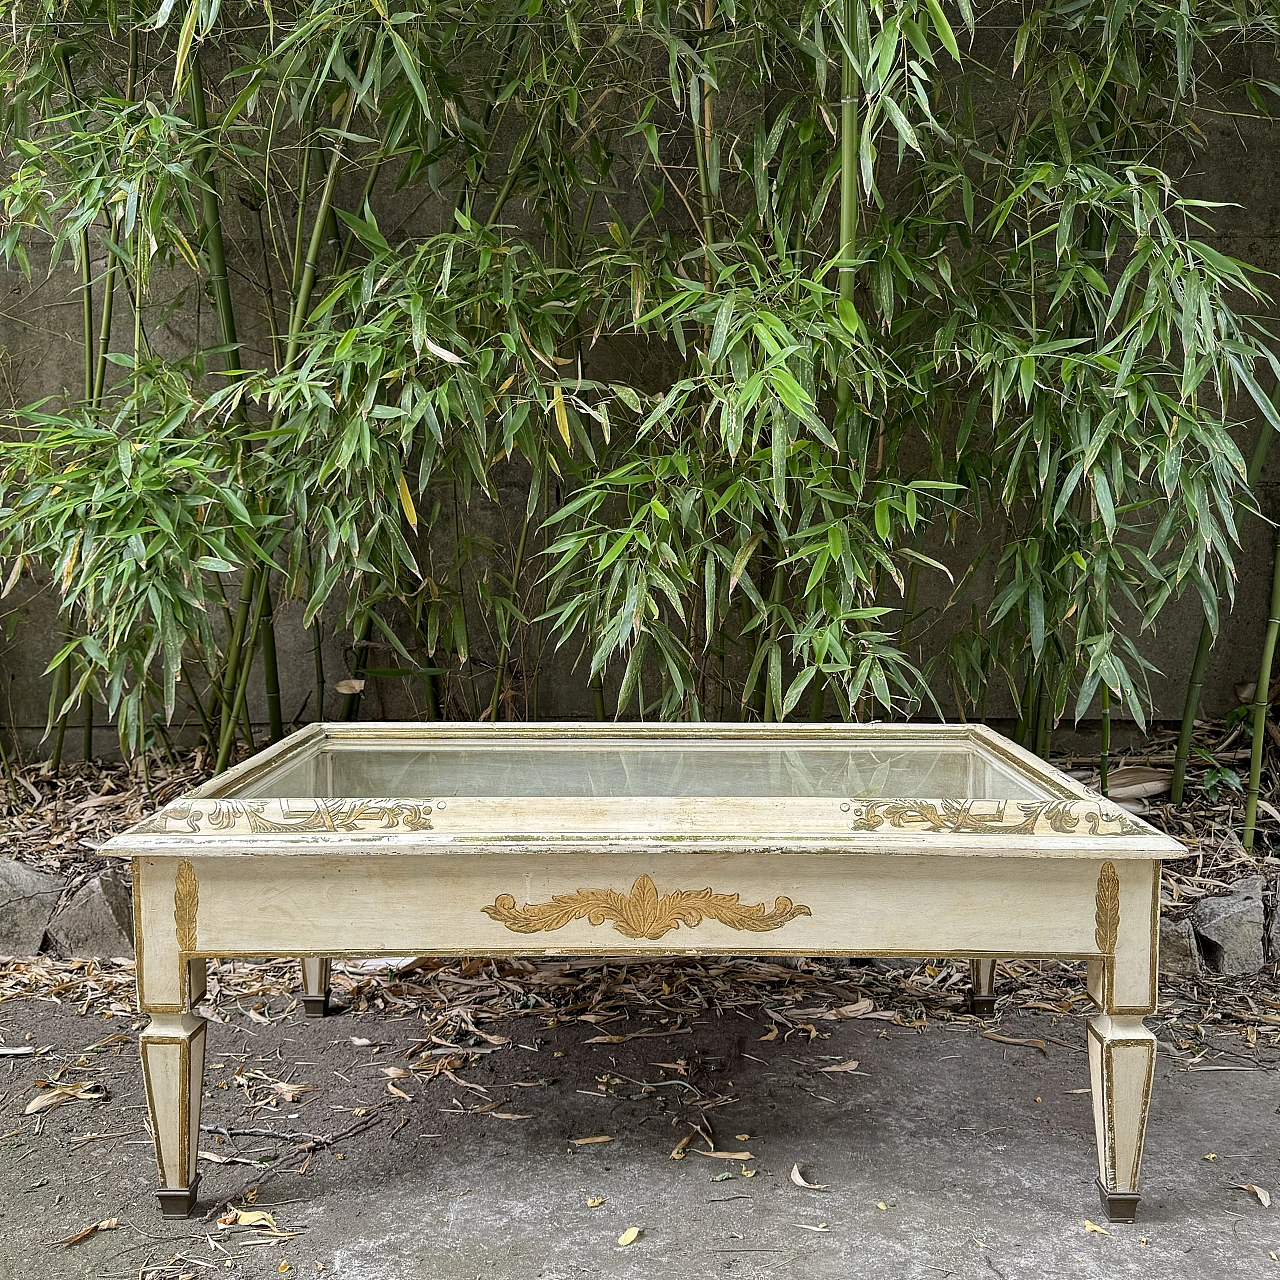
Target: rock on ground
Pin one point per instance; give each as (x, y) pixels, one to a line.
(98, 921)
(27, 901)
(1179, 951)
(1230, 932)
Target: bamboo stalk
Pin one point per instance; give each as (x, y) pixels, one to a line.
(1200, 664)
(310, 266)
(1261, 705)
(317, 658)
(360, 660)
(849, 91)
(270, 671)
(1104, 755)
(235, 644)
(211, 228)
(238, 704)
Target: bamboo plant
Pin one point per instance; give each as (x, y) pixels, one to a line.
(686, 341)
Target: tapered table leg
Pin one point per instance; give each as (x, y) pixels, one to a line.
(172, 1067)
(315, 986)
(982, 1000)
(1122, 1056)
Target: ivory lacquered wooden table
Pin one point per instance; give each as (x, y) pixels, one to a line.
(698, 839)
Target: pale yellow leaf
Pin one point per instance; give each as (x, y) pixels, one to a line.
(406, 501)
(799, 1179)
(562, 415)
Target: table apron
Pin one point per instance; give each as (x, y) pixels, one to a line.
(729, 903)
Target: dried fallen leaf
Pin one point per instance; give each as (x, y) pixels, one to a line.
(107, 1224)
(804, 1226)
(678, 1151)
(859, 1009)
(1093, 1226)
(349, 686)
(629, 1236)
(85, 1091)
(1137, 781)
(798, 1178)
(771, 1034)
(586, 1142)
(594, 1202)
(724, 1155)
(396, 1073)
(1262, 1195)
(843, 1067)
(214, 1158)
(1025, 1042)
(399, 1093)
(248, 1218)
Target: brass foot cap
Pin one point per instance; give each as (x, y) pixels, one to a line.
(315, 1006)
(1119, 1206)
(982, 1006)
(177, 1202)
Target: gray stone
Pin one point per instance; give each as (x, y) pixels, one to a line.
(98, 921)
(27, 900)
(1179, 951)
(1230, 932)
(1250, 887)
(1273, 934)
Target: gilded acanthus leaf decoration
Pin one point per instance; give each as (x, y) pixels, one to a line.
(1107, 910)
(993, 817)
(276, 817)
(643, 913)
(186, 903)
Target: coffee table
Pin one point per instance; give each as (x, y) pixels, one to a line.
(646, 839)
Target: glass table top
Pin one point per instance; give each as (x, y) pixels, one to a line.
(633, 769)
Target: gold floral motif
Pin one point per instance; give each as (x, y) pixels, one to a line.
(994, 817)
(272, 817)
(642, 913)
(186, 902)
(1107, 910)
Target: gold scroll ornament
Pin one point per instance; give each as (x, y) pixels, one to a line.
(642, 913)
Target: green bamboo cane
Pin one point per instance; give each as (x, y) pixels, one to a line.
(1104, 755)
(505, 648)
(311, 263)
(1191, 707)
(270, 671)
(849, 91)
(238, 704)
(211, 227)
(62, 677)
(113, 264)
(351, 701)
(317, 658)
(61, 690)
(1261, 704)
(235, 645)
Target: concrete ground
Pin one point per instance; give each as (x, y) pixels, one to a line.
(945, 1154)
